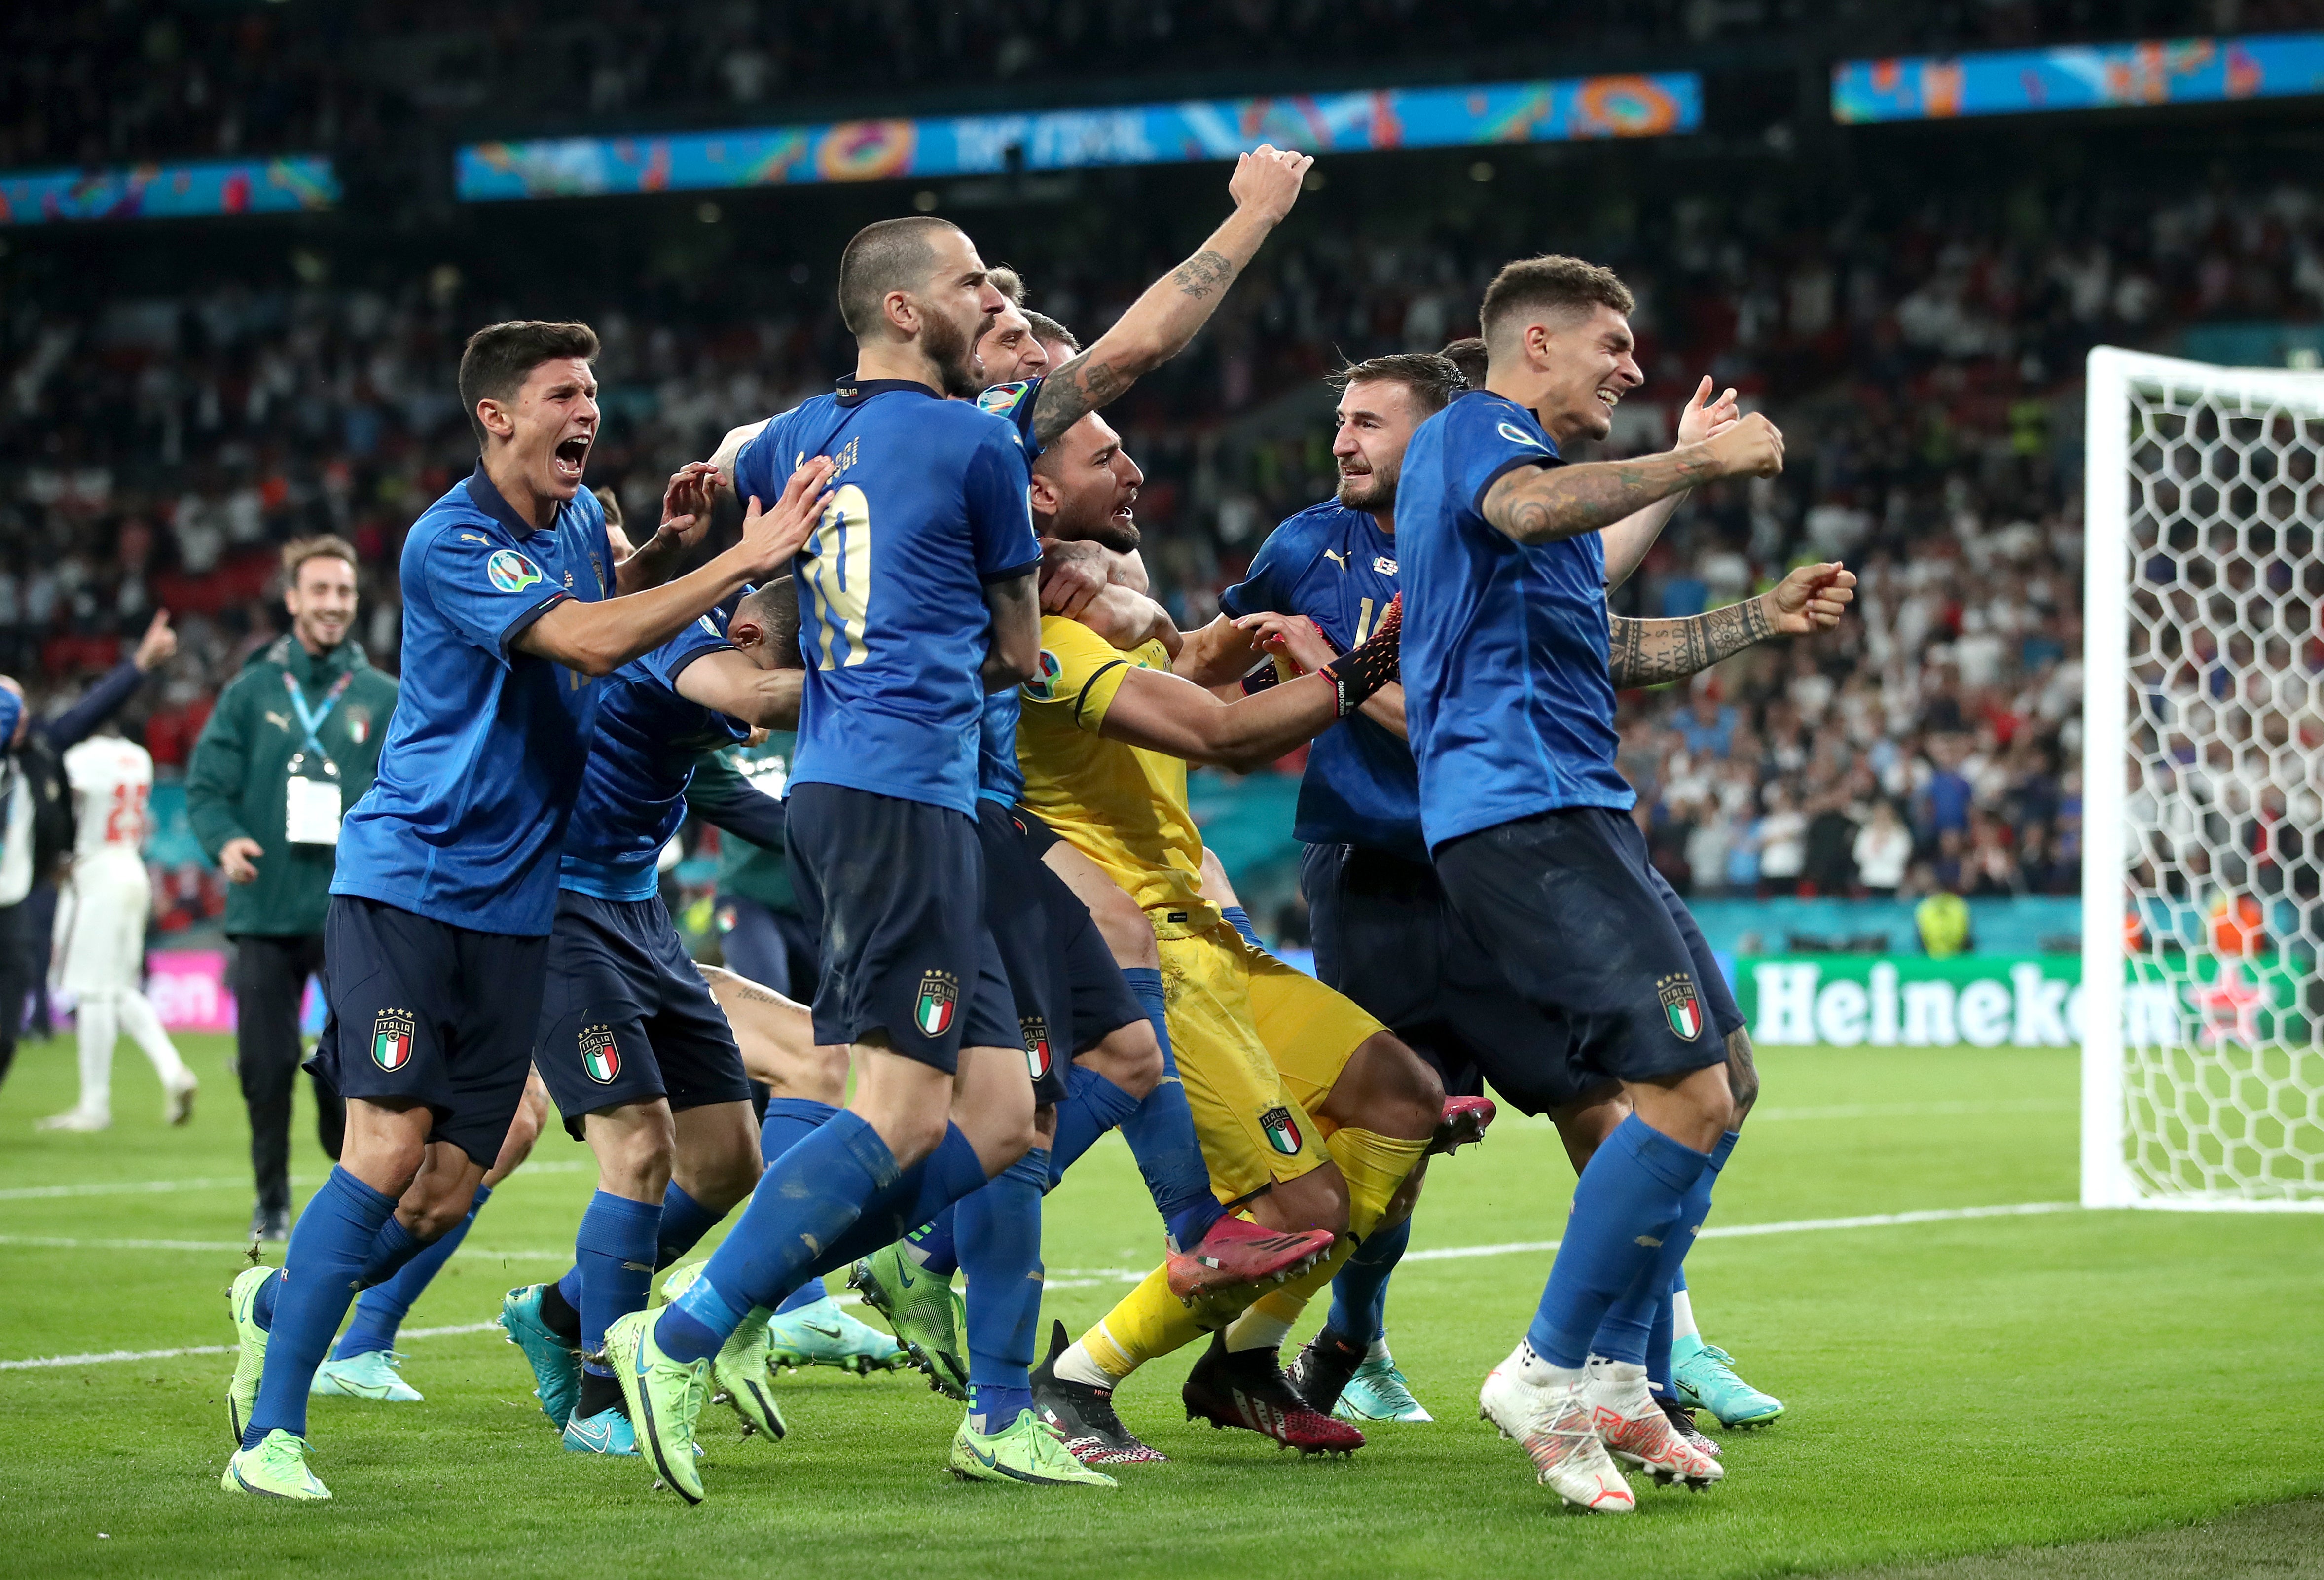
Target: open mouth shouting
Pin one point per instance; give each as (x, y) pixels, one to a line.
(570, 459)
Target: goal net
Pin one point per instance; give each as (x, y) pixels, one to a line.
(2203, 799)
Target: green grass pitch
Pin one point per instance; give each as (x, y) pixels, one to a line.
(1955, 1386)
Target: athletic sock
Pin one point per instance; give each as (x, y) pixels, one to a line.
(1001, 1251)
(1360, 1289)
(1148, 1322)
(145, 1028)
(1683, 1323)
(326, 1254)
(809, 1196)
(382, 1307)
(97, 1025)
(1257, 1330)
(1627, 1328)
(1239, 920)
(1658, 1350)
(786, 1121)
(935, 1244)
(614, 1251)
(1627, 1205)
(560, 1307)
(1092, 1106)
(1161, 1133)
(684, 1222)
(919, 1196)
(600, 1392)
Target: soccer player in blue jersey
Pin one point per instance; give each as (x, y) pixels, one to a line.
(437, 938)
(918, 597)
(1384, 934)
(1509, 704)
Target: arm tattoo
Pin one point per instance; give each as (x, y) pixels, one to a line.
(1202, 274)
(1557, 502)
(1073, 393)
(1653, 652)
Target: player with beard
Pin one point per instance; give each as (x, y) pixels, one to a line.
(1311, 1115)
(1383, 932)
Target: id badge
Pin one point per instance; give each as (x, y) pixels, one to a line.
(310, 811)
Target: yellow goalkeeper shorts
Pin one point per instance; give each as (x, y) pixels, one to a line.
(1259, 1045)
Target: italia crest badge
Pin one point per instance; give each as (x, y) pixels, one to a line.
(1282, 1130)
(391, 1039)
(1037, 1045)
(1680, 1007)
(599, 1057)
(939, 997)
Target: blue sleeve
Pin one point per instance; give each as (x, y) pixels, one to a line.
(668, 660)
(754, 465)
(73, 726)
(12, 709)
(1015, 402)
(489, 589)
(999, 508)
(1262, 590)
(1482, 444)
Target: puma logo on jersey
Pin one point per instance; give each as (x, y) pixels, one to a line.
(1338, 559)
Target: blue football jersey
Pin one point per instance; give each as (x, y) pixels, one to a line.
(1013, 403)
(999, 777)
(1507, 692)
(633, 791)
(1337, 567)
(930, 505)
(485, 750)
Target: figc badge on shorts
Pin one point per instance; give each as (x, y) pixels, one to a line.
(391, 1040)
(939, 996)
(1680, 1005)
(1282, 1130)
(1037, 1045)
(599, 1057)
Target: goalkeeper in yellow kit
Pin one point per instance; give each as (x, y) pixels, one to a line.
(1311, 1114)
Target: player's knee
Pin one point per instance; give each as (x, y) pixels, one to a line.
(635, 1147)
(1044, 1124)
(1130, 1057)
(826, 1074)
(1398, 1093)
(1128, 935)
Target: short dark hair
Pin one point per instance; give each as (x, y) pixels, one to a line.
(1550, 283)
(500, 357)
(776, 607)
(1468, 355)
(1008, 283)
(1430, 379)
(611, 503)
(299, 550)
(1045, 327)
(888, 254)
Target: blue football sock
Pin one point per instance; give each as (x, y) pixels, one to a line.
(1360, 1290)
(1001, 1251)
(1658, 1350)
(1627, 1206)
(326, 1253)
(1627, 1333)
(684, 1222)
(392, 1249)
(809, 1198)
(935, 1245)
(1239, 920)
(614, 1251)
(1161, 1134)
(786, 1123)
(1092, 1106)
(384, 1306)
(919, 1196)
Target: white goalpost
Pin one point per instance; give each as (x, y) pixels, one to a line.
(2203, 786)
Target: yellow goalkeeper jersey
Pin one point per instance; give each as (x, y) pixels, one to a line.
(1123, 808)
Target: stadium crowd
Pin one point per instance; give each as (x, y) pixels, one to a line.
(155, 453)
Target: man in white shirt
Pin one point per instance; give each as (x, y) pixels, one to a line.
(100, 932)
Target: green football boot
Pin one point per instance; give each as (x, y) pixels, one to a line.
(276, 1468)
(924, 1311)
(1704, 1377)
(250, 1363)
(369, 1375)
(742, 1374)
(1028, 1453)
(665, 1398)
(556, 1365)
(1378, 1392)
(822, 1335)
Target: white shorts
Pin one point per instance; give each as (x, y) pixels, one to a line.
(100, 934)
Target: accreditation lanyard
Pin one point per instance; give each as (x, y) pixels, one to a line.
(310, 719)
(311, 807)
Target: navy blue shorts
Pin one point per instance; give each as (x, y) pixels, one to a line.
(1566, 905)
(895, 891)
(1061, 974)
(772, 948)
(626, 1017)
(420, 1011)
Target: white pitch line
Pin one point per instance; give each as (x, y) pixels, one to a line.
(169, 1187)
(67, 1243)
(1879, 1220)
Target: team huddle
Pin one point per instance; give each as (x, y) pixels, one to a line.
(1021, 942)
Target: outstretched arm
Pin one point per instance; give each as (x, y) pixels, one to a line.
(1548, 505)
(727, 682)
(1654, 652)
(1628, 539)
(1160, 322)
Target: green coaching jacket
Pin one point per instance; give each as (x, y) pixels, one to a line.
(235, 783)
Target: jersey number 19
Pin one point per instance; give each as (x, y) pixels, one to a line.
(839, 571)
